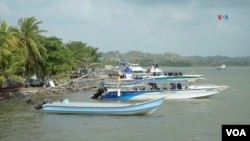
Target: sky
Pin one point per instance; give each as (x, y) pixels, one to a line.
(184, 27)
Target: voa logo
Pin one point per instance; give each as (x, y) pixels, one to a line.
(222, 17)
(236, 132)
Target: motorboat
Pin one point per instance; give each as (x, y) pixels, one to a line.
(221, 67)
(151, 94)
(174, 90)
(100, 108)
(154, 72)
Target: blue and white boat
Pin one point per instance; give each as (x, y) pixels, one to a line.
(173, 92)
(103, 108)
(151, 94)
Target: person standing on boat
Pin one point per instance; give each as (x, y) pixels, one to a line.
(118, 79)
(127, 69)
(128, 72)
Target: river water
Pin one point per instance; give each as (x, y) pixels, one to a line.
(175, 120)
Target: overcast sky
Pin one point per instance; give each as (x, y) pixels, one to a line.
(185, 27)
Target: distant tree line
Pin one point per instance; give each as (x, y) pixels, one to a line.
(172, 59)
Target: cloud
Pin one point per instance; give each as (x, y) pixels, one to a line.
(186, 27)
(3, 9)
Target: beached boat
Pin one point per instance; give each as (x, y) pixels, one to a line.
(102, 108)
(10, 86)
(174, 91)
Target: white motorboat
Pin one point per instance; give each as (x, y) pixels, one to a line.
(221, 67)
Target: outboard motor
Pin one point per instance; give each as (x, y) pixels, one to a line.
(99, 92)
(179, 86)
(39, 105)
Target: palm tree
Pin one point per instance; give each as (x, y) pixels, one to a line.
(9, 67)
(3, 50)
(30, 35)
(10, 60)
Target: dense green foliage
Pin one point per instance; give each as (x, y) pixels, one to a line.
(172, 59)
(58, 59)
(84, 55)
(24, 51)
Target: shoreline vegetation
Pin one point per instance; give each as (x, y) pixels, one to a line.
(25, 52)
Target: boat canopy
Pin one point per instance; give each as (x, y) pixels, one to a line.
(123, 63)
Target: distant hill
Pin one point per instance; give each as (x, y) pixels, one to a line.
(172, 59)
(217, 60)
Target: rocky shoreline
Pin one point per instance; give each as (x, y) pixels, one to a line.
(33, 94)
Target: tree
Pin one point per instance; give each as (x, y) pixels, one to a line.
(58, 60)
(30, 35)
(91, 57)
(84, 56)
(10, 59)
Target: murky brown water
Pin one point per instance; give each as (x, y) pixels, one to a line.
(175, 120)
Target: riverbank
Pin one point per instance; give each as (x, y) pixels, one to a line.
(82, 84)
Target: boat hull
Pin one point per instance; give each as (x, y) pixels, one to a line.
(218, 87)
(12, 88)
(104, 108)
(168, 94)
